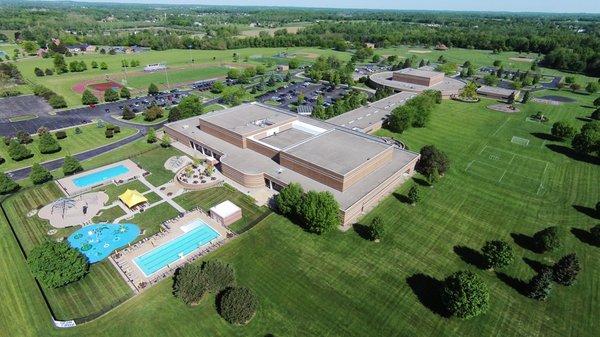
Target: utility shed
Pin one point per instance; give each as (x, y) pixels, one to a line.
(226, 213)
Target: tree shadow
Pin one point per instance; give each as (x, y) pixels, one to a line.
(544, 136)
(587, 211)
(573, 154)
(525, 241)
(361, 230)
(421, 182)
(470, 256)
(584, 119)
(537, 266)
(584, 236)
(519, 285)
(402, 198)
(428, 291)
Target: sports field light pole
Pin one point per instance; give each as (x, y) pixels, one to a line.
(190, 52)
(167, 77)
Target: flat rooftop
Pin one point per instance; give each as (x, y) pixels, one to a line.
(419, 72)
(248, 118)
(338, 150)
(364, 117)
(448, 86)
(287, 138)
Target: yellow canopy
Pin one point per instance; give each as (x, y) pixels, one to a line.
(132, 198)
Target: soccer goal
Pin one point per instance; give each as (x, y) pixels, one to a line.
(520, 141)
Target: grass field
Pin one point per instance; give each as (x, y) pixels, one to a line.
(101, 288)
(149, 220)
(342, 285)
(216, 195)
(91, 137)
(207, 64)
(154, 162)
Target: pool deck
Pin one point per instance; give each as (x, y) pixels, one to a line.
(123, 259)
(68, 186)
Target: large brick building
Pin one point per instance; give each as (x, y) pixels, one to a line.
(418, 76)
(261, 146)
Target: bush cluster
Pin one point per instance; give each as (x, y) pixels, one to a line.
(237, 305)
(56, 264)
(465, 295)
(415, 112)
(192, 281)
(56, 101)
(318, 212)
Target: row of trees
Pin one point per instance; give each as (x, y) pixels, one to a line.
(350, 101)
(415, 112)
(54, 100)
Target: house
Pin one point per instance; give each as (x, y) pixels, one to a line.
(497, 92)
(370, 45)
(41, 52)
(441, 46)
(81, 48)
(259, 146)
(282, 67)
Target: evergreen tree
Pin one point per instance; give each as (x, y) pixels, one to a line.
(540, 285)
(71, 165)
(110, 95)
(125, 93)
(48, 144)
(18, 151)
(565, 271)
(151, 137)
(39, 174)
(152, 89)
(127, 113)
(165, 140)
(174, 114)
(88, 98)
(7, 185)
(465, 295)
(497, 254)
(548, 239)
(413, 195)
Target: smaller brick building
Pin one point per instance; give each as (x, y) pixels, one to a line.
(418, 76)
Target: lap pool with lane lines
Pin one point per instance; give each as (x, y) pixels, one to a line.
(158, 258)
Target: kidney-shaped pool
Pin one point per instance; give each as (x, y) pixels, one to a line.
(97, 241)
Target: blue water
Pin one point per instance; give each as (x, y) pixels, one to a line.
(100, 176)
(161, 256)
(99, 240)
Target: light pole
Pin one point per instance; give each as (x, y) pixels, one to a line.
(167, 77)
(190, 52)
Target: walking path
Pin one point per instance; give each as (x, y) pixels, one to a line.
(166, 198)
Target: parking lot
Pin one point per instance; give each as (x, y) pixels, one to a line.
(30, 105)
(285, 96)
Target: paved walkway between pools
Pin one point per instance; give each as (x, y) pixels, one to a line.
(168, 199)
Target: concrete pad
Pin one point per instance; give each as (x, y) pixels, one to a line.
(68, 212)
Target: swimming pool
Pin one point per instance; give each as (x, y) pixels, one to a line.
(100, 176)
(97, 241)
(161, 256)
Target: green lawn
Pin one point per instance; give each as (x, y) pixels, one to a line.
(341, 285)
(149, 220)
(154, 162)
(152, 197)
(109, 214)
(91, 137)
(216, 195)
(100, 289)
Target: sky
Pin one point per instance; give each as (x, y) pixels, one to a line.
(554, 6)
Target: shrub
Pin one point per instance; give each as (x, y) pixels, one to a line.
(432, 163)
(413, 195)
(217, 276)
(116, 129)
(49, 72)
(110, 127)
(562, 130)
(497, 254)
(111, 95)
(289, 199)
(88, 98)
(547, 239)
(109, 133)
(39, 174)
(61, 134)
(152, 89)
(124, 93)
(57, 102)
(319, 212)
(48, 144)
(6, 140)
(540, 285)
(128, 114)
(38, 72)
(24, 137)
(166, 140)
(465, 295)
(566, 269)
(18, 151)
(78, 131)
(71, 165)
(375, 229)
(189, 284)
(151, 137)
(153, 113)
(237, 305)
(56, 264)
(7, 185)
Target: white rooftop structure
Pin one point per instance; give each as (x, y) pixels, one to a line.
(225, 209)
